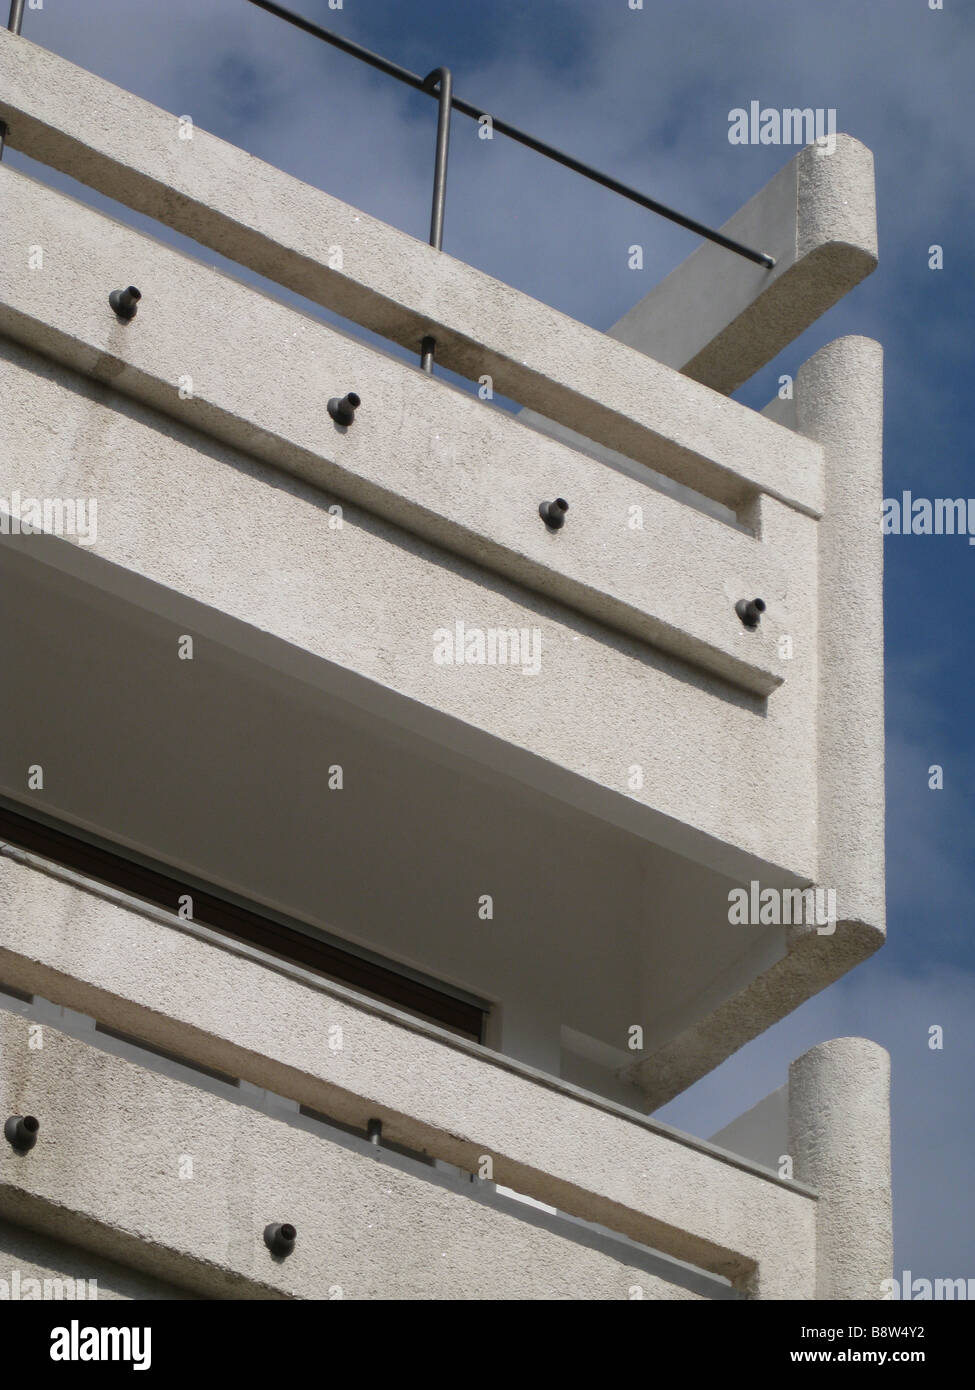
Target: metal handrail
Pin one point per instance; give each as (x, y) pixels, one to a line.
(420, 84)
(439, 84)
(441, 78)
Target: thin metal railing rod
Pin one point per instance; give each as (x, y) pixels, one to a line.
(14, 24)
(440, 78)
(411, 79)
(366, 55)
(643, 200)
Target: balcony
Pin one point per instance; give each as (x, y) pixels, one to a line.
(115, 1128)
(551, 842)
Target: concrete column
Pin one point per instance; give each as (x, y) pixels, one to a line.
(839, 403)
(839, 1138)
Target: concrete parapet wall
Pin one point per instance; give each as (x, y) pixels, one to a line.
(226, 1011)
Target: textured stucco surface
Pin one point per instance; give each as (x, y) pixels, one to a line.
(232, 1014)
(110, 1170)
(209, 523)
(839, 401)
(832, 1119)
(61, 1266)
(811, 963)
(458, 476)
(839, 1136)
(420, 453)
(718, 318)
(393, 284)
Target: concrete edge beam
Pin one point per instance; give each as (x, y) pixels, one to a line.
(718, 319)
(500, 753)
(811, 963)
(128, 1248)
(393, 284)
(111, 1168)
(413, 1023)
(235, 1016)
(409, 455)
(37, 1247)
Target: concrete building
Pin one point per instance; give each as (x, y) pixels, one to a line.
(376, 856)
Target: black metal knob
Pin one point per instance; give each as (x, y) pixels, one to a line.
(20, 1132)
(343, 411)
(125, 302)
(750, 611)
(553, 513)
(280, 1238)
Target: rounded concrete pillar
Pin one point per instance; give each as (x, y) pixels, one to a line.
(840, 404)
(839, 1138)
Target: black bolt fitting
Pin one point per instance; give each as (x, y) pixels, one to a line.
(343, 411)
(125, 302)
(750, 611)
(280, 1238)
(20, 1132)
(374, 1132)
(553, 513)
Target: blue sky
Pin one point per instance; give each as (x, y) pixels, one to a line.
(645, 95)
